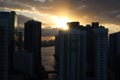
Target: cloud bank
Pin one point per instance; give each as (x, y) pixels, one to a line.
(107, 12)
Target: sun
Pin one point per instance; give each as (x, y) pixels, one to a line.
(61, 22)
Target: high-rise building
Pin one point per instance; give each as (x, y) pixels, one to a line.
(100, 52)
(97, 49)
(114, 56)
(114, 43)
(4, 53)
(32, 43)
(7, 24)
(71, 52)
(82, 52)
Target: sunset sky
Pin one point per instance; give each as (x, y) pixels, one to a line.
(107, 12)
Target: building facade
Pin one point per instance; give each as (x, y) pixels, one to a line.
(81, 52)
(20, 40)
(97, 50)
(32, 43)
(8, 21)
(71, 48)
(4, 53)
(114, 56)
(101, 52)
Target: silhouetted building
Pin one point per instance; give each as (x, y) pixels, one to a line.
(23, 66)
(20, 40)
(81, 52)
(32, 43)
(7, 24)
(71, 52)
(4, 53)
(73, 25)
(114, 56)
(97, 49)
(23, 63)
(100, 50)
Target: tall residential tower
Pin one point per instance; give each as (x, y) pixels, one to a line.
(97, 49)
(8, 21)
(114, 56)
(32, 43)
(71, 51)
(82, 52)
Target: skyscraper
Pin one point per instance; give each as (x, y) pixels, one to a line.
(32, 43)
(100, 52)
(114, 43)
(82, 52)
(114, 55)
(97, 49)
(4, 53)
(71, 46)
(7, 24)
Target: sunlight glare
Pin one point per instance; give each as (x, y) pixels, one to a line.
(61, 22)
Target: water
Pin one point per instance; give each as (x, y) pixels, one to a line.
(48, 58)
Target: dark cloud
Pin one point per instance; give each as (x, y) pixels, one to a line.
(105, 11)
(14, 5)
(22, 19)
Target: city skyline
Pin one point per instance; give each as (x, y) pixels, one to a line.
(84, 11)
(77, 53)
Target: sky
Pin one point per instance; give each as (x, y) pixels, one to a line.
(107, 12)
